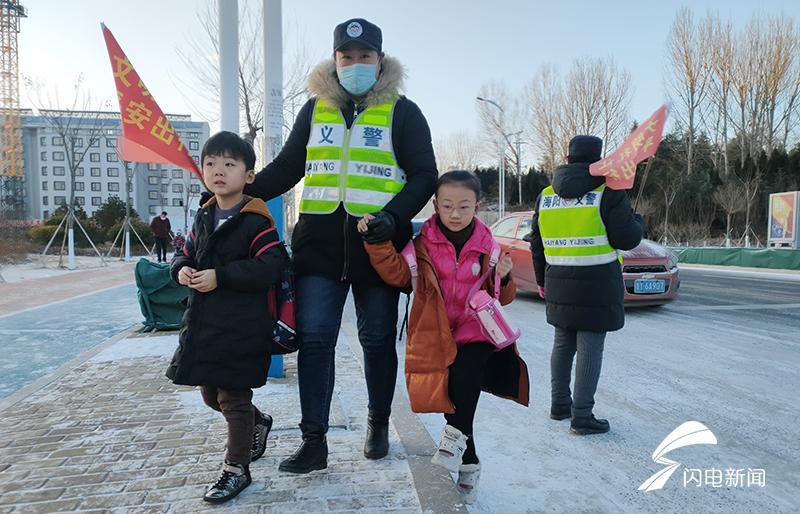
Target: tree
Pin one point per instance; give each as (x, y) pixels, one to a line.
(687, 59)
(593, 98)
(457, 151)
(111, 212)
(201, 57)
(731, 199)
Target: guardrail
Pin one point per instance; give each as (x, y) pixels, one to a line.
(773, 258)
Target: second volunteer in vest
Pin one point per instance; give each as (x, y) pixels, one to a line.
(578, 227)
(360, 147)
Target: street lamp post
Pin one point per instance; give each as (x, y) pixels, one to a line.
(501, 195)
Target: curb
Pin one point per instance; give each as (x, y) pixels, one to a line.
(435, 487)
(65, 368)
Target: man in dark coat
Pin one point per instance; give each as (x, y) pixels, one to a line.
(583, 287)
(161, 229)
(360, 147)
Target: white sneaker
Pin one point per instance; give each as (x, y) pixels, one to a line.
(451, 449)
(468, 475)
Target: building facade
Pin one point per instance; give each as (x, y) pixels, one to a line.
(95, 172)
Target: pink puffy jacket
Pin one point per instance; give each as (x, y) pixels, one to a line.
(457, 276)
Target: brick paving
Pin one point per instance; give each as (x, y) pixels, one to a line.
(111, 434)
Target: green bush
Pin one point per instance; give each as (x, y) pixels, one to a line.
(42, 234)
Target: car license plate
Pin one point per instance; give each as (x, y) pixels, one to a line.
(649, 286)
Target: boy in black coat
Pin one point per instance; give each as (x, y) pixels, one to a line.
(232, 256)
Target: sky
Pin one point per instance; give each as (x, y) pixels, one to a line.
(450, 48)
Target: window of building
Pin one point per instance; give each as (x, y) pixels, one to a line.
(112, 172)
(94, 157)
(78, 141)
(194, 188)
(193, 145)
(79, 172)
(43, 140)
(164, 173)
(97, 200)
(111, 157)
(58, 140)
(177, 173)
(58, 156)
(176, 202)
(130, 187)
(45, 214)
(96, 186)
(153, 209)
(59, 185)
(45, 200)
(60, 200)
(113, 186)
(44, 186)
(59, 171)
(44, 171)
(94, 143)
(194, 134)
(196, 159)
(80, 200)
(152, 167)
(164, 188)
(43, 156)
(177, 188)
(95, 172)
(111, 142)
(79, 186)
(153, 181)
(153, 195)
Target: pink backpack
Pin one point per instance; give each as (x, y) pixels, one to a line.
(482, 306)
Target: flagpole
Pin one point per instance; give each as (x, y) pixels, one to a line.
(643, 182)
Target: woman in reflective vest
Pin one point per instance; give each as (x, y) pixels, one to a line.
(579, 226)
(359, 146)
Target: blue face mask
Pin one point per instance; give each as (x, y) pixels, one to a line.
(357, 79)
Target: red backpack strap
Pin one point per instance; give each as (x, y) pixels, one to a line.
(409, 255)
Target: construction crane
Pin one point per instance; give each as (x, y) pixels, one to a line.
(11, 175)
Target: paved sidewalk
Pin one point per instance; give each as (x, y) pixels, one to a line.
(110, 433)
(33, 292)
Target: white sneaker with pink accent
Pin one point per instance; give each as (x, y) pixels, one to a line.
(468, 475)
(451, 449)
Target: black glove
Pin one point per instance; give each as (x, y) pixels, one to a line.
(381, 228)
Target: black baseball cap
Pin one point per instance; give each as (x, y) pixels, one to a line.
(360, 31)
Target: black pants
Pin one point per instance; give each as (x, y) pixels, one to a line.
(161, 248)
(464, 388)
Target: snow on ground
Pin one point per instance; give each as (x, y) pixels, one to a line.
(136, 347)
(667, 366)
(36, 267)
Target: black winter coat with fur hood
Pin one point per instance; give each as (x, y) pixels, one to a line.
(329, 244)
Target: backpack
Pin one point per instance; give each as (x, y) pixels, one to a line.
(281, 303)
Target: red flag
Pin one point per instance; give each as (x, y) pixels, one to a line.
(619, 168)
(147, 135)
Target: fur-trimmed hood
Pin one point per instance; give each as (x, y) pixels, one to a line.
(323, 83)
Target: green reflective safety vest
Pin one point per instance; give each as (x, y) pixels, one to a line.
(355, 166)
(572, 229)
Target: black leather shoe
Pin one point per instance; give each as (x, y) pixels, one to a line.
(260, 433)
(589, 425)
(377, 444)
(559, 412)
(312, 454)
(232, 481)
